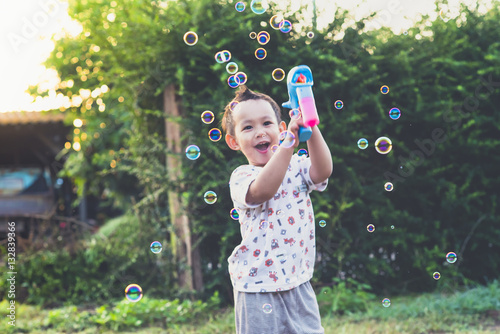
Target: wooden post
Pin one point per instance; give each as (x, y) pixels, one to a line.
(187, 259)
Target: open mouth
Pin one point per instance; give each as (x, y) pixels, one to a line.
(262, 147)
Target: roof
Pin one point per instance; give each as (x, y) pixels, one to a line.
(29, 117)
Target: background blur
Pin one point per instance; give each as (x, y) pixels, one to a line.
(131, 93)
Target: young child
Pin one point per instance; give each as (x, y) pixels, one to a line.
(270, 269)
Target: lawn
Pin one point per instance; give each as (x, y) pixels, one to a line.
(475, 310)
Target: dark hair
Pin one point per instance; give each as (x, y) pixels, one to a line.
(245, 94)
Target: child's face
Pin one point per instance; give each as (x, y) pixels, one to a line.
(255, 124)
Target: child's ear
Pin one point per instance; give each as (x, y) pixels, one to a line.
(231, 142)
(282, 126)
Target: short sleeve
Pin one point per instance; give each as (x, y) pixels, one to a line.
(305, 166)
(240, 181)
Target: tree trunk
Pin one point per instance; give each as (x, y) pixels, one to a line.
(187, 259)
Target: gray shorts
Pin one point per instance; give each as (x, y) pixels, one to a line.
(293, 311)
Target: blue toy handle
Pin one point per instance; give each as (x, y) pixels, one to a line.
(304, 134)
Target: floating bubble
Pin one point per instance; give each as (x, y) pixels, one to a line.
(242, 77)
(207, 117)
(285, 26)
(384, 89)
(156, 247)
(383, 145)
(392, 227)
(295, 114)
(436, 275)
(233, 105)
(388, 186)
(279, 213)
(223, 56)
(302, 152)
(263, 225)
(451, 257)
(234, 214)
(192, 152)
(370, 228)
(210, 197)
(405, 32)
(278, 74)
(214, 134)
(275, 21)
(287, 139)
(363, 143)
(339, 104)
(310, 34)
(260, 53)
(322, 223)
(394, 113)
(274, 148)
(258, 6)
(386, 302)
(253, 35)
(240, 6)
(133, 292)
(190, 38)
(263, 37)
(233, 81)
(267, 308)
(232, 67)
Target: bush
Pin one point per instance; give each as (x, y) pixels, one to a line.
(346, 297)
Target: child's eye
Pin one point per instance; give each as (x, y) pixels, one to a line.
(268, 122)
(247, 127)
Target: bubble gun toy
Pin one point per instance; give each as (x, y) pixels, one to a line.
(299, 82)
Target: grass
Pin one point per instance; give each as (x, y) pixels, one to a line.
(473, 311)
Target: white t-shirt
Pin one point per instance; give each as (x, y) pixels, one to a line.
(278, 248)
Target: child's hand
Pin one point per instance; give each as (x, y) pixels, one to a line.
(293, 127)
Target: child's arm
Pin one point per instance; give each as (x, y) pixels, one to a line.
(269, 179)
(321, 158)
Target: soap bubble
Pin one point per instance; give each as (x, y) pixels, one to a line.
(285, 26)
(233, 81)
(260, 53)
(370, 228)
(234, 214)
(240, 6)
(310, 34)
(275, 21)
(232, 67)
(451, 257)
(302, 152)
(192, 152)
(210, 197)
(295, 114)
(274, 148)
(207, 117)
(384, 89)
(436, 275)
(214, 134)
(392, 227)
(223, 56)
(322, 223)
(190, 38)
(242, 77)
(133, 292)
(287, 139)
(363, 143)
(233, 105)
(383, 145)
(258, 6)
(267, 308)
(394, 113)
(253, 35)
(339, 104)
(388, 186)
(263, 37)
(386, 302)
(278, 74)
(156, 247)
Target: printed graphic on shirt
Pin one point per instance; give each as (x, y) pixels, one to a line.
(277, 250)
